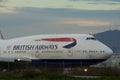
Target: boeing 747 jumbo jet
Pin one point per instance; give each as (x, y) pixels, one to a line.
(68, 48)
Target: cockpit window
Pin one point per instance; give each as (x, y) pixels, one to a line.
(90, 38)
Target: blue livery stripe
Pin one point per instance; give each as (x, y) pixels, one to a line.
(70, 45)
(69, 61)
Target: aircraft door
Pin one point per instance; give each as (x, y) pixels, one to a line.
(38, 54)
(70, 53)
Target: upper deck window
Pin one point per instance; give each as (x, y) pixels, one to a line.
(90, 38)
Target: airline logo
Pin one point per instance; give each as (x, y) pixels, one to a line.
(68, 46)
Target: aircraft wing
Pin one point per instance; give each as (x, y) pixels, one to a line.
(15, 59)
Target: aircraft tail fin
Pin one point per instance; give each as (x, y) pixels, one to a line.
(1, 35)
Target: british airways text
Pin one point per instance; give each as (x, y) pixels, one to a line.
(34, 47)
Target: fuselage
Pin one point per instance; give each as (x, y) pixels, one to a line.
(67, 48)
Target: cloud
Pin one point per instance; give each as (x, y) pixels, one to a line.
(86, 22)
(112, 0)
(104, 2)
(71, 4)
(2, 0)
(6, 9)
(96, 0)
(50, 16)
(29, 21)
(118, 8)
(74, 0)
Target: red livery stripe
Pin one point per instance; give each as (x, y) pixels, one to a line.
(60, 39)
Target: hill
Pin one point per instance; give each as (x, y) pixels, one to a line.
(111, 38)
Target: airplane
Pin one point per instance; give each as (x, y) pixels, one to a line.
(81, 49)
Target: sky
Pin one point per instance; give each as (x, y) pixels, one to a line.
(20, 18)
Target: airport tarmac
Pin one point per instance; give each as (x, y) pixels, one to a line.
(87, 76)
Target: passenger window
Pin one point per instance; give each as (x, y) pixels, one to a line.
(90, 38)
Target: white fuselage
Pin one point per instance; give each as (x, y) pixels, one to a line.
(55, 47)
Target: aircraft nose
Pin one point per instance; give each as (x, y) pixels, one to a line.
(108, 52)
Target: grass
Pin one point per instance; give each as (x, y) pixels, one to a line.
(48, 76)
